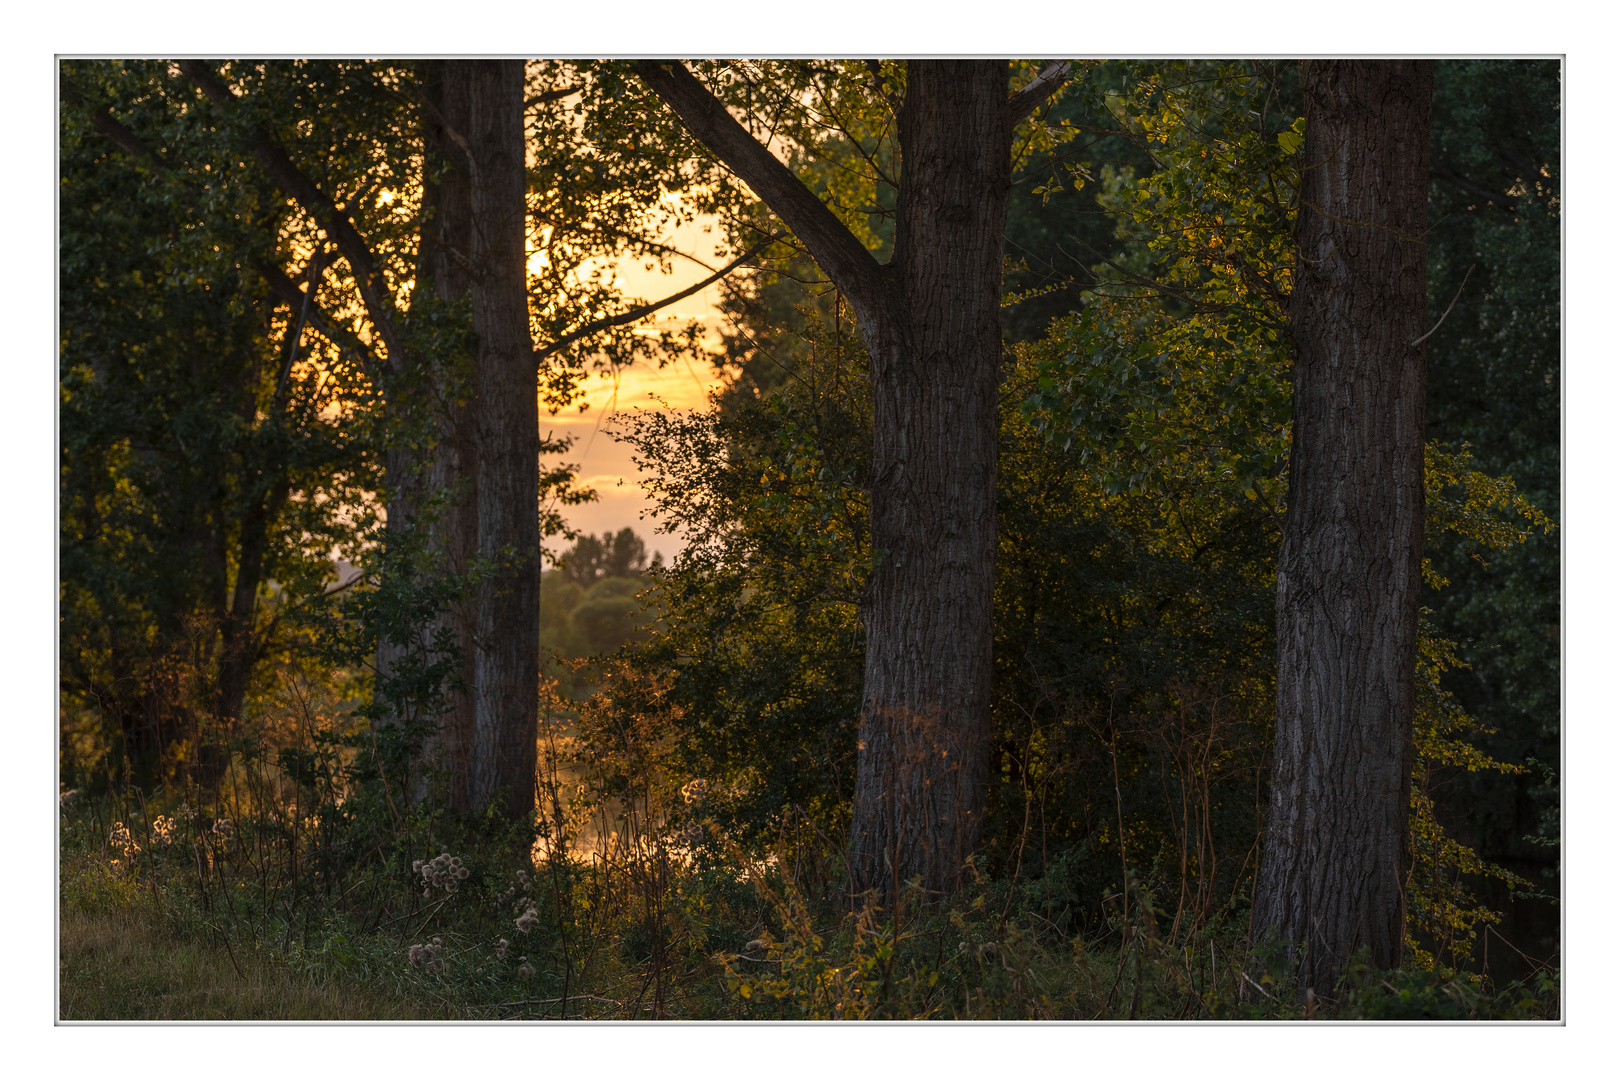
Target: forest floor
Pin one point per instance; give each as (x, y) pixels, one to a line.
(153, 946)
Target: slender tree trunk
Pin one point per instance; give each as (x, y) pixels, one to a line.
(1332, 875)
(935, 347)
(236, 633)
(507, 631)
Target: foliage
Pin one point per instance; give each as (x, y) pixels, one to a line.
(1494, 384)
(1443, 913)
(699, 719)
(1178, 377)
(213, 460)
(760, 631)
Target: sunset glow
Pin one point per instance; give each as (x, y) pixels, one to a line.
(605, 465)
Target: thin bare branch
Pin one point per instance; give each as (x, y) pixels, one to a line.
(1449, 306)
(638, 313)
(552, 95)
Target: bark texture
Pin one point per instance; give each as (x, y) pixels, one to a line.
(442, 272)
(1335, 858)
(935, 347)
(474, 246)
(930, 320)
(507, 621)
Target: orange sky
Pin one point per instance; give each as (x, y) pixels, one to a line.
(605, 465)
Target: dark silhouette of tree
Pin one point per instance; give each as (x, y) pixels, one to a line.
(620, 554)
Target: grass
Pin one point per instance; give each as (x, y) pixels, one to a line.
(147, 952)
(130, 954)
(633, 932)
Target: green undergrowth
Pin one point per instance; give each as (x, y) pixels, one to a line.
(152, 931)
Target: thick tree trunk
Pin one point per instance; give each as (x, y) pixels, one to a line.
(1332, 873)
(935, 347)
(442, 272)
(507, 628)
(505, 665)
(931, 323)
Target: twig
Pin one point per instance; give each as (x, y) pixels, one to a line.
(408, 914)
(638, 313)
(1124, 956)
(1449, 306)
(228, 950)
(1256, 985)
(552, 95)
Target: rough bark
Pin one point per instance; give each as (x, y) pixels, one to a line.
(478, 248)
(442, 272)
(930, 320)
(1335, 857)
(935, 348)
(507, 622)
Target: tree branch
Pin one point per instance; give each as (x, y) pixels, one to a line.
(125, 139)
(644, 310)
(271, 154)
(844, 258)
(287, 290)
(1027, 99)
(880, 87)
(552, 95)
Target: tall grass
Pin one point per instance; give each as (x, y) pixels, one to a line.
(303, 881)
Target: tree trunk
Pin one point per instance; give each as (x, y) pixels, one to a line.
(931, 323)
(505, 662)
(506, 665)
(935, 347)
(1332, 874)
(442, 272)
(236, 657)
